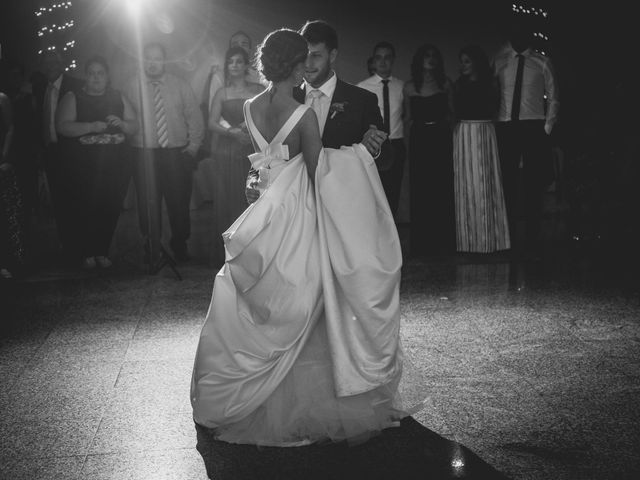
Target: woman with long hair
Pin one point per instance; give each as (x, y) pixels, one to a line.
(428, 112)
(232, 146)
(481, 216)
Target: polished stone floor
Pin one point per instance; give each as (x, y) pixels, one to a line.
(534, 367)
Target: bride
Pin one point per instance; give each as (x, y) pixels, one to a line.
(301, 341)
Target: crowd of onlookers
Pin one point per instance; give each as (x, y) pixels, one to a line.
(478, 149)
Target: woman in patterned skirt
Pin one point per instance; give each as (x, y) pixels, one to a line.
(481, 216)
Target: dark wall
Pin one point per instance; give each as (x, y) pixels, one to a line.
(18, 31)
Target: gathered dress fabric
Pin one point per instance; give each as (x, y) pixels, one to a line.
(481, 215)
(230, 167)
(301, 340)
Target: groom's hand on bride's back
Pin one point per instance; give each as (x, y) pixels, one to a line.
(252, 194)
(251, 191)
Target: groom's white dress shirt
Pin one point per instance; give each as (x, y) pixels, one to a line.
(374, 84)
(324, 100)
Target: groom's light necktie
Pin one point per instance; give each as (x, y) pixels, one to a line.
(161, 116)
(315, 103)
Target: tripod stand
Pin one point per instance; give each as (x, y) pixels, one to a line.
(164, 259)
(156, 254)
(156, 257)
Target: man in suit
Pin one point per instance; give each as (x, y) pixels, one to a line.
(58, 169)
(165, 149)
(346, 114)
(389, 91)
(528, 111)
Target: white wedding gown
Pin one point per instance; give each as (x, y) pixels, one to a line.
(301, 341)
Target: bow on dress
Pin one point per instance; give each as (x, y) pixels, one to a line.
(273, 153)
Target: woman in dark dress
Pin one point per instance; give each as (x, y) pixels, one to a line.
(428, 109)
(11, 209)
(481, 215)
(92, 123)
(24, 149)
(232, 146)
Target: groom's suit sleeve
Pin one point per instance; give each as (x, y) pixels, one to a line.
(373, 116)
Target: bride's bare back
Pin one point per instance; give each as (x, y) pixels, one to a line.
(270, 112)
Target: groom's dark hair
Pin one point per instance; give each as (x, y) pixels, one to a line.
(319, 31)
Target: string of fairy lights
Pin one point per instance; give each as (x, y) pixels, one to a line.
(539, 17)
(56, 25)
(55, 30)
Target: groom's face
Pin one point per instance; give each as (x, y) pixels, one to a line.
(319, 64)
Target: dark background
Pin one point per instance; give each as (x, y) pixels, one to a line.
(592, 46)
(590, 42)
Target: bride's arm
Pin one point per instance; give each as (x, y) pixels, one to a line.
(310, 141)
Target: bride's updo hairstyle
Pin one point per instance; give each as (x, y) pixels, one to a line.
(280, 52)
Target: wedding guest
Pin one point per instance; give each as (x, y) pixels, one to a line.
(57, 166)
(24, 148)
(528, 111)
(371, 69)
(481, 216)
(165, 151)
(428, 108)
(234, 145)
(216, 78)
(92, 123)
(11, 210)
(389, 91)
(204, 176)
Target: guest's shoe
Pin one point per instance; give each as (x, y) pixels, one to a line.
(89, 263)
(103, 262)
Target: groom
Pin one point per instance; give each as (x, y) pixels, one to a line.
(346, 114)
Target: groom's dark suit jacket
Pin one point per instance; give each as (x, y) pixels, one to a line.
(349, 126)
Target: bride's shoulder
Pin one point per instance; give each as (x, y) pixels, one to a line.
(308, 119)
(256, 87)
(256, 100)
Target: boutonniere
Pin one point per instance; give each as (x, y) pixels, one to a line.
(336, 108)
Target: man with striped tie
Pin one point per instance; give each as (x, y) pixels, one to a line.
(170, 134)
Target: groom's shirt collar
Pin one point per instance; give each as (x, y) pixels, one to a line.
(327, 87)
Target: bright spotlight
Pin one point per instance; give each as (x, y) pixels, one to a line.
(134, 7)
(164, 23)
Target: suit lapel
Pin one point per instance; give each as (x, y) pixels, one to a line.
(330, 125)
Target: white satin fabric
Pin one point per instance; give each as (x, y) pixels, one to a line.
(297, 256)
